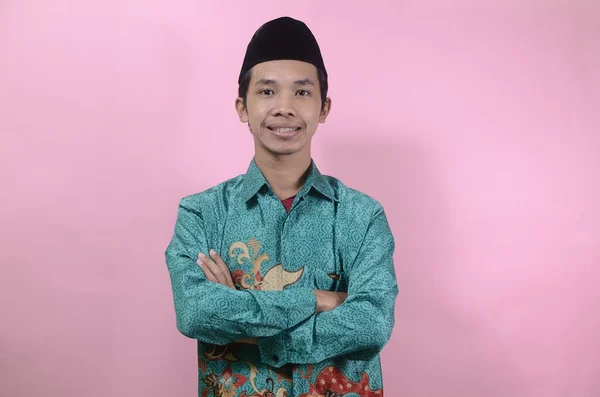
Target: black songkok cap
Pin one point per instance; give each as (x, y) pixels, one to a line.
(282, 38)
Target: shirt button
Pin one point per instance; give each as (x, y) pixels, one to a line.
(276, 359)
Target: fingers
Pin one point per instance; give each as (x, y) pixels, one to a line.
(224, 269)
(208, 265)
(207, 272)
(215, 269)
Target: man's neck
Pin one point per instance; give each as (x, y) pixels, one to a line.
(285, 174)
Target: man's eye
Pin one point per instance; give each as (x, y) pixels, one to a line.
(303, 92)
(267, 92)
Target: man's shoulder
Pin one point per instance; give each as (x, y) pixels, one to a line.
(213, 196)
(352, 199)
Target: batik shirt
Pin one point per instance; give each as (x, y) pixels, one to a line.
(333, 238)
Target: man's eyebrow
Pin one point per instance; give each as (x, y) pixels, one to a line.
(274, 82)
(266, 82)
(304, 82)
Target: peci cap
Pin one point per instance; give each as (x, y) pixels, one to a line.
(282, 38)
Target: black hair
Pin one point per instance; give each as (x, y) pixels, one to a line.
(245, 83)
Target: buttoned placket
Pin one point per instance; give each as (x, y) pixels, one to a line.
(287, 218)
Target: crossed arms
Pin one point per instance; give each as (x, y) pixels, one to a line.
(217, 271)
(297, 325)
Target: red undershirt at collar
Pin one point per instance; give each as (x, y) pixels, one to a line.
(287, 203)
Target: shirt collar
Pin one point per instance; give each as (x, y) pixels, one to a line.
(254, 180)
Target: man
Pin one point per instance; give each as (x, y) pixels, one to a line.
(284, 275)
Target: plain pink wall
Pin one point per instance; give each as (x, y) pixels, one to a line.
(477, 127)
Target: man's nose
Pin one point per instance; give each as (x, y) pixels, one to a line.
(285, 105)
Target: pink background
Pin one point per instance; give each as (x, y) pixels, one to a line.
(477, 126)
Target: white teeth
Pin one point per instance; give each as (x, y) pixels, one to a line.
(284, 129)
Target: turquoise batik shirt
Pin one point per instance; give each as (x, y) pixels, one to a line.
(333, 238)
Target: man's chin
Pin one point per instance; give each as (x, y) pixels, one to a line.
(279, 148)
(282, 151)
(287, 152)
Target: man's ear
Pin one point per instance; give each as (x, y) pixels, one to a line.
(242, 112)
(325, 110)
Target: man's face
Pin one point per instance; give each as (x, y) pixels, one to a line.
(283, 107)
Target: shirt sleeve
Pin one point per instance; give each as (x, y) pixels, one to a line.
(358, 328)
(214, 313)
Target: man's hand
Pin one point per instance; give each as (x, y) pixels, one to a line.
(215, 269)
(328, 300)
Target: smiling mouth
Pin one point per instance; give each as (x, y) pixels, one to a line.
(283, 130)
